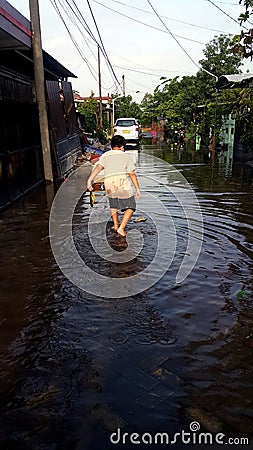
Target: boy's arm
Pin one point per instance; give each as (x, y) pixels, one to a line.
(135, 182)
(93, 174)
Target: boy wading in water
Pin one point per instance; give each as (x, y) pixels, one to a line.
(118, 168)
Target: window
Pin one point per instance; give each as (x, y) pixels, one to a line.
(125, 123)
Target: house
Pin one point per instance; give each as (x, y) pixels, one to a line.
(235, 152)
(107, 107)
(21, 162)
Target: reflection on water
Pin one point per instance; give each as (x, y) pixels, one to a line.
(74, 367)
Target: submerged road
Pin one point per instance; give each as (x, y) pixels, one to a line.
(83, 363)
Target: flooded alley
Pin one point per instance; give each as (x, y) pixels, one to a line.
(77, 366)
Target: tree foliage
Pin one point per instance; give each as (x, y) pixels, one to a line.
(219, 58)
(148, 110)
(125, 107)
(193, 100)
(243, 42)
(243, 105)
(89, 111)
(242, 111)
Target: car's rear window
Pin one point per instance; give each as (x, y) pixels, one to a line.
(125, 123)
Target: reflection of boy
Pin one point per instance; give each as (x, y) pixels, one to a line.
(118, 168)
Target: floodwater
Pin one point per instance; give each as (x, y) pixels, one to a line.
(77, 367)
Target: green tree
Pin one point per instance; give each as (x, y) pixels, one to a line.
(89, 111)
(193, 100)
(243, 42)
(148, 110)
(125, 107)
(165, 99)
(178, 100)
(242, 111)
(219, 60)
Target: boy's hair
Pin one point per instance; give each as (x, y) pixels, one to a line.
(118, 141)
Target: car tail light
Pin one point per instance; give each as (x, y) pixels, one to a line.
(115, 130)
(136, 129)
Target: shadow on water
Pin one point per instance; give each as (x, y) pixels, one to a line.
(75, 367)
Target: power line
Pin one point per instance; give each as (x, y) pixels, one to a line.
(99, 35)
(88, 30)
(182, 48)
(133, 62)
(108, 89)
(139, 65)
(169, 18)
(98, 32)
(138, 71)
(173, 36)
(143, 23)
(140, 84)
(80, 15)
(72, 19)
(54, 4)
(90, 56)
(84, 24)
(142, 66)
(226, 14)
(148, 73)
(226, 3)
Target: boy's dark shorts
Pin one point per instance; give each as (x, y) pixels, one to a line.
(123, 203)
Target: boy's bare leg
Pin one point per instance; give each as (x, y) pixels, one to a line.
(125, 219)
(114, 215)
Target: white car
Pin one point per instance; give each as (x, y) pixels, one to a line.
(129, 128)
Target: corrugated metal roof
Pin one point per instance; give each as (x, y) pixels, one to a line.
(15, 34)
(55, 67)
(15, 29)
(236, 80)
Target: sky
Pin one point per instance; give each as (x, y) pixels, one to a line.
(140, 47)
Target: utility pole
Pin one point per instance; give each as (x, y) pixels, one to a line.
(123, 86)
(113, 111)
(100, 122)
(40, 89)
